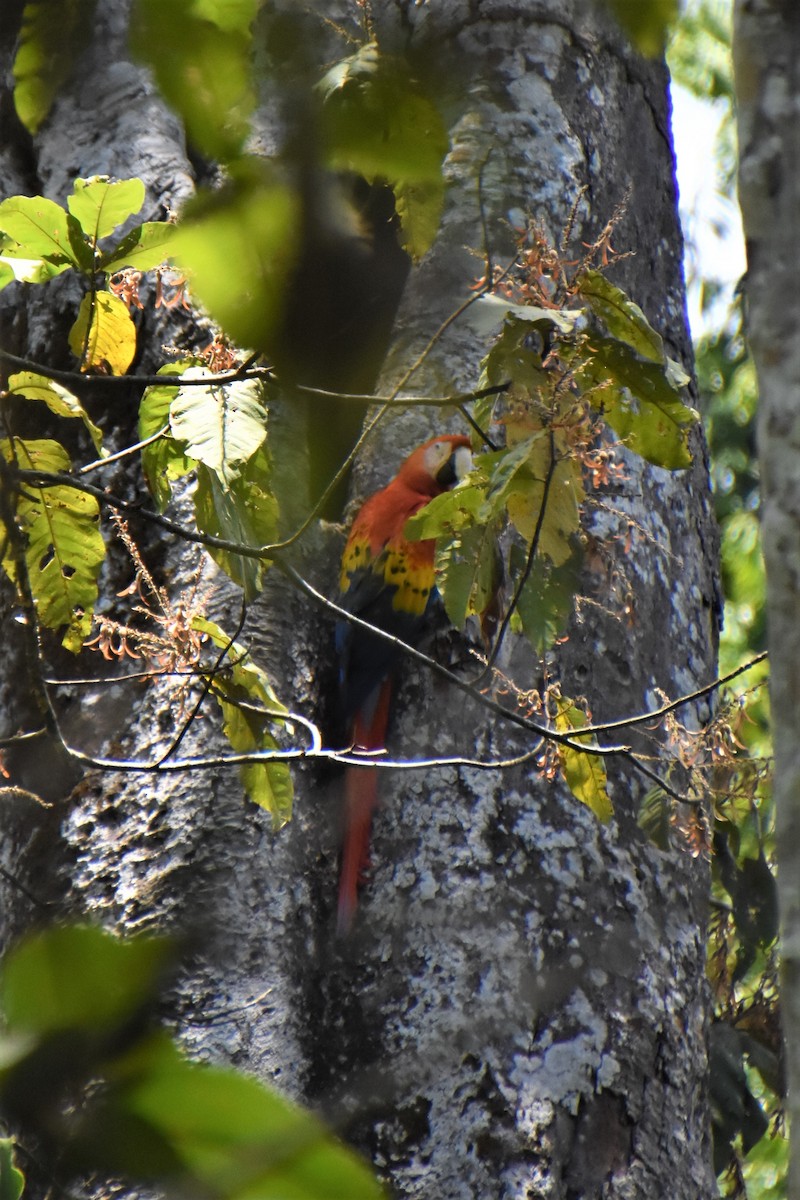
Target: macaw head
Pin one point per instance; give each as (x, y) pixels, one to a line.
(438, 465)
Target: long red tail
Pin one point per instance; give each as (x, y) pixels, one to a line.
(361, 792)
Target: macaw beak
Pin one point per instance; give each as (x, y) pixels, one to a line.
(455, 468)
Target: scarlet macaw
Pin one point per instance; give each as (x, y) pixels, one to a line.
(389, 581)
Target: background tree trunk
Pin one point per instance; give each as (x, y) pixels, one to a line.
(767, 73)
(521, 1008)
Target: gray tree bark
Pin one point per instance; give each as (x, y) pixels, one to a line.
(521, 1009)
(767, 76)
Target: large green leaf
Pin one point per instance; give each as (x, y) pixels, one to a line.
(164, 459)
(58, 399)
(42, 229)
(200, 54)
(221, 426)
(103, 336)
(79, 977)
(99, 206)
(244, 512)
(623, 319)
(237, 245)
(145, 247)
(53, 34)
(238, 1139)
(546, 600)
(268, 784)
(468, 571)
(64, 549)
(639, 403)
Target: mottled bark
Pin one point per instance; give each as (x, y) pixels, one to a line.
(521, 1009)
(767, 73)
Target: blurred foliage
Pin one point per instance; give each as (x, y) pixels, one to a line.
(99, 1087)
(747, 1087)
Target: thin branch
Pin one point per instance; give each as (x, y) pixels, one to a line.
(112, 458)
(206, 686)
(655, 713)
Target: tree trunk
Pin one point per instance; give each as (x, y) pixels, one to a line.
(521, 1008)
(767, 75)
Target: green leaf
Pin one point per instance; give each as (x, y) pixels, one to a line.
(163, 460)
(79, 977)
(268, 783)
(64, 549)
(145, 247)
(654, 818)
(451, 511)
(378, 122)
(200, 54)
(646, 24)
(103, 336)
(221, 426)
(623, 319)
(245, 512)
(99, 206)
(237, 245)
(419, 207)
(42, 229)
(12, 1181)
(238, 1139)
(468, 571)
(53, 34)
(545, 603)
(639, 404)
(58, 399)
(585, 774)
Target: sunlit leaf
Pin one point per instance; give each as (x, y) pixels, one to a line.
(164, 459)
(237, 245)
(145, 247)
(63, 546)
(244, 512)
(585, 773)
(100, 205)
(269, 783)
(221, 426)
(43, 229)
(489, 313)
(79, 976)
(53, 34)
(103, 336)
(26, 270)
(58, 399)
(200, 54)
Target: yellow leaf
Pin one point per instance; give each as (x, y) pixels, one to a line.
(585, 773)
(104, 335)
